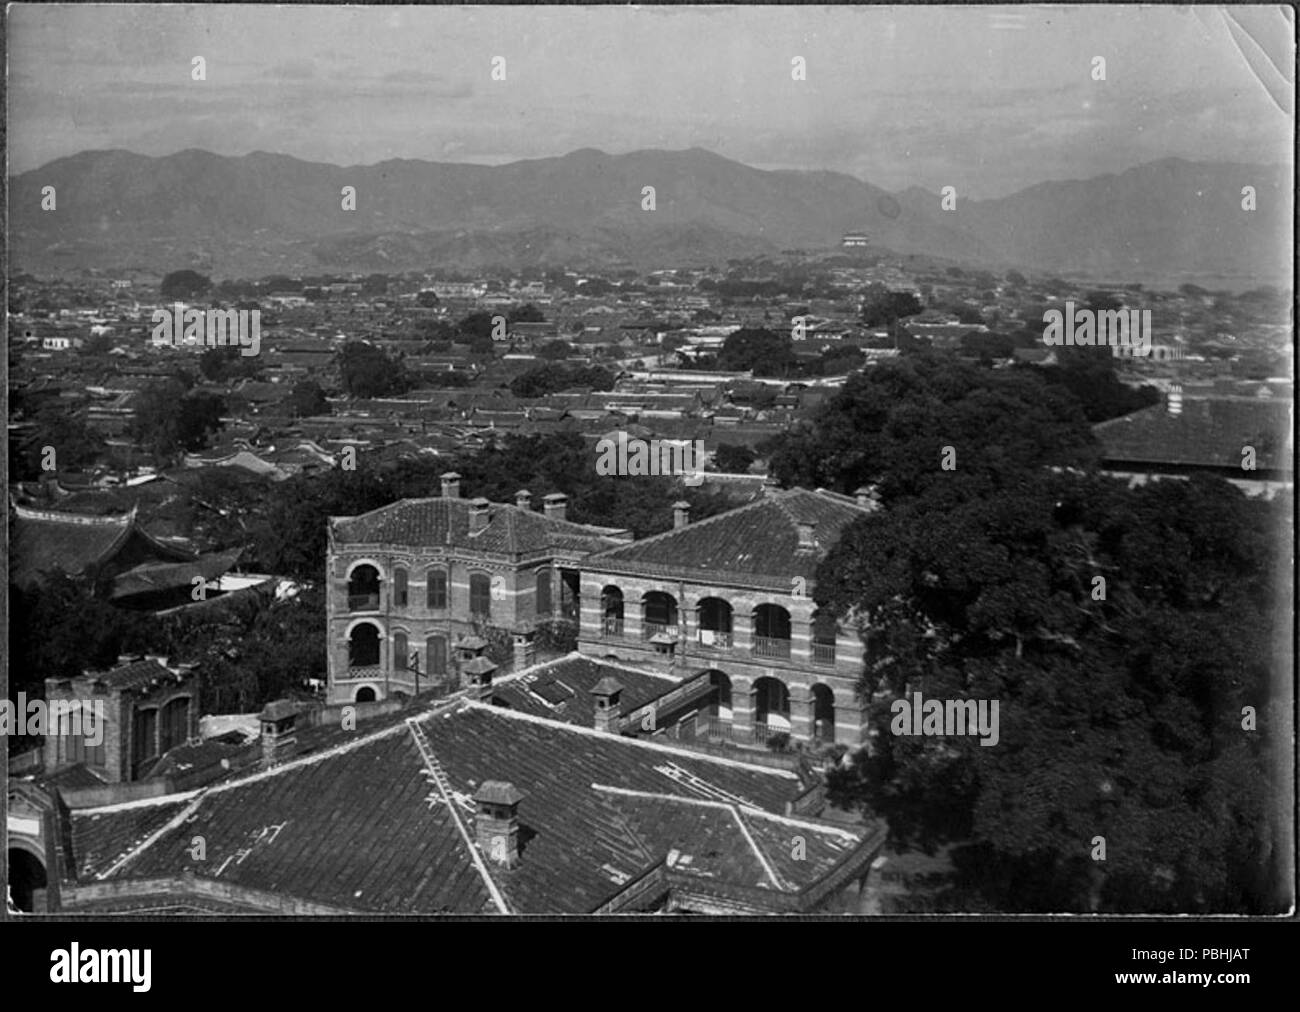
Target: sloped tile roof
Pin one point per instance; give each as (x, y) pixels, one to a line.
(362, 826)
(1208, 432)
(758, 542)
(428, 523)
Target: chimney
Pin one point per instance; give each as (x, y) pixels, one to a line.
(1174, 400)
(608, 710)
(496, 824)
(868, 497)
(451, 485)
(478, 673)
(807, 534)
(478, 514)
(681, 513)
(524, 499)
(556, 505)
(278, 739)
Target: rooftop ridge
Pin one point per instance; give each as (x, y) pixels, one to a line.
(785, 820)
(499, 711)
(84, 519)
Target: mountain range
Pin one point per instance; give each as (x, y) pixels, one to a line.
(1164, 221)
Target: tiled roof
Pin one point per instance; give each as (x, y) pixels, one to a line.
(136, 674)
(428, 523)
(1207, 432)
(44, 540)
(156, 576)
(364, 826)
(563, 689)
(758, 542)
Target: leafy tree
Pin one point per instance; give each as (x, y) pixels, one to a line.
(1120, 711)
(888, 424)
(74, 442)
(167, 419)
(367, 372)
(527, 313)
(733, 459)
(551, 378)
(184, 285)
(1016, 278)
(887, 308)
(555, 350)
(427, 299)
(222, 365)
(766, 353)
(307, 399)
(476, 324)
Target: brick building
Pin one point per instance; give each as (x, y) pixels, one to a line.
(733, 596)
(411, 582)
(148, 709)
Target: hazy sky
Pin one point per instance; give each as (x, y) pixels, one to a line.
(988, 99)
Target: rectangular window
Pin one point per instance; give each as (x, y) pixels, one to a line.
(399, 589)
(437, 589)
(480, 596)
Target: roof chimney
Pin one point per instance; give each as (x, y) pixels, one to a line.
(556, 505)
(681, 513)
(807, 534)
(278, 739)
(478, 514)
(496, 824)
(868, 497)
(451, 485)
(1174, 400)
(479, 676)
(524, 499)
(608, 710)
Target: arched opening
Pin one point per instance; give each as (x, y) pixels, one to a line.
(824, 631)
(658, 614)
(363, 589)
(144, 738)
(365, 694)
(714, 622)
(611, 608)
(823, 701)
(400, 589)
(543, 592)
(771, 631)
(771, 708)
(363, 646)
(26, 876)
(720, 700)
(480, 596)
(175, 729)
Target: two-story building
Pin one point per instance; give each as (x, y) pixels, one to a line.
(412, 582)
(732, 595)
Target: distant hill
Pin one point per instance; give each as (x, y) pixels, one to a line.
(265, 213)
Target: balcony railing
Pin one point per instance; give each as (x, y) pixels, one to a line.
(823, 653)
(363, 602)
(770, 646)
(365, 672)
(715, 638)
(651, 629)
(612, 627)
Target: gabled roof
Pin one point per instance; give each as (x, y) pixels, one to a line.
(756, 544)
(385, 822)
(1207, 432)
(439, 521)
